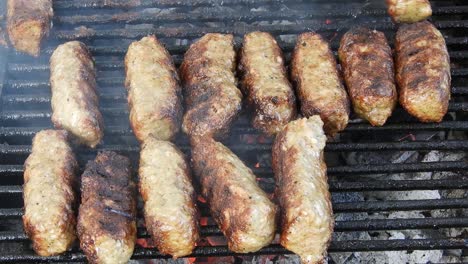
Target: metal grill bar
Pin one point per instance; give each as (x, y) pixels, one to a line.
(213, 15)
(375, 245)
(368, 206)
(181, 32)
(338, 186)
(340, 226)
(180, 49)
(119, 79)
(331, 147)
(99, 4)
(15, 132)
(335, 246)
(26, 115)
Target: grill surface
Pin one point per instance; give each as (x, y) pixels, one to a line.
(109, 26)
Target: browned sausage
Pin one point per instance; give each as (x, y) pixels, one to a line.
(242, 210)
(409, 11)
(318, 84)
(166, 188)
(265, 83)
(302, 189)
(28, 23)
(49, 196)
(367, 63)
(153, 90)
(107, 216)
(423, 71)
(211, 95)
(75, 104)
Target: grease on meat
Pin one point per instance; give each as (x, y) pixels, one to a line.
(367, 64)
(107, 215)
(49, 195)
(75, 104)
(265, 83)
(409, 11)
(319, 87)
(28, 23)
(242, 210)
(154, 93)
(210, 87)
(166, 188)
(423, 71)
(302, 189)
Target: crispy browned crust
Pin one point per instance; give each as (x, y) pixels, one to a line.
(49, 195)
(171, 214)
(210, 87)
(241, 209)
(423, 71)
(302, 189)
(367, 63)
(265, 83)
(319, 87)
(154, 93)
(28, 23)
(409, 11)
(108, 209)
(75, 104)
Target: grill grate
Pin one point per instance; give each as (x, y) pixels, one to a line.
(107, 27)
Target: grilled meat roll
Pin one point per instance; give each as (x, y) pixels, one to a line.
(367, 63)
(49, 195)
(28, 23)
(302, 189)
(107, 216)
(241, 209)
(153, 90)
(265, 83)
(75, 104)
(409, 11)
(318, 84)
(211, 95)
(423, 71)
(166, 188)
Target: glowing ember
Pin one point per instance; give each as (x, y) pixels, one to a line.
(201, 199)
(145, 242)
(203, 221)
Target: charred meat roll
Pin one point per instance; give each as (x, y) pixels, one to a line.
(242, 210)
(28, 23)
(302, 189)
(49, 193)
(318, 84)
(409, 11)
(423, 71)
(75, 104)
(211, 95)
(107, 215)
(265, 83)
(367, 63)
(154, 92)
(166, 188)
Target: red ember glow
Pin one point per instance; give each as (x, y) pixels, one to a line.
(201, 199)
(145, 242)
